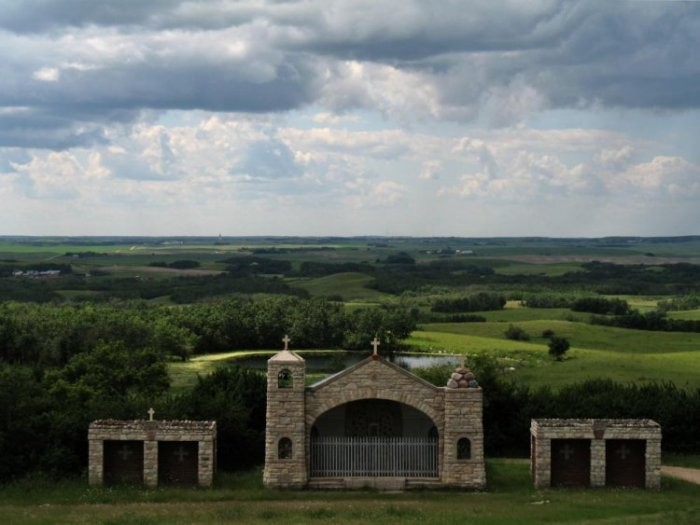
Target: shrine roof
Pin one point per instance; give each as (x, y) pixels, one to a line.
(357, 367)
(286, 356)
(144, 424)
(610, 423)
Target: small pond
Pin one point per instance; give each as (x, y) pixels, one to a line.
(328, 362)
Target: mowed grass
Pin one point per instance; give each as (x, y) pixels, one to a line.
(183, 374)
(596, 351)
(240, 498)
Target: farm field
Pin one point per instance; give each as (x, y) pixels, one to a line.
(240, 498)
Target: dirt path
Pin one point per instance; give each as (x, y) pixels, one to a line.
(686, 474)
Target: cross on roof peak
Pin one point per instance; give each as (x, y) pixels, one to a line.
(286, 340)
(150, 413)
(375, 345)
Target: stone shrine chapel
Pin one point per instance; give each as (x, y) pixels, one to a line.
(373, 424)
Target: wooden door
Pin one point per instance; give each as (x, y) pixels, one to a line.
(625, 462)
(571, 462)
(123, 462)
(178, 462)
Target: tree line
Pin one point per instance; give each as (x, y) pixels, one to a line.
(509, 407)
(48, 335)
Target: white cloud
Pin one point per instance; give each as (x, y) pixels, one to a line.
(47, 74)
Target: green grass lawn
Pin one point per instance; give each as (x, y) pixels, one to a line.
(240, 498)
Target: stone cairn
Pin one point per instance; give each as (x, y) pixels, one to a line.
(462, 378)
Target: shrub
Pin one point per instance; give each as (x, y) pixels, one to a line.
(558, 346)
(516, 333)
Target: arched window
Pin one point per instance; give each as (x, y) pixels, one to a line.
(464, 449)
(285, 379)
(284, 448)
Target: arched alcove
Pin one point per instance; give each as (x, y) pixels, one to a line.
(284, 448)
(285, 379)
(464, 448)
(374, 418)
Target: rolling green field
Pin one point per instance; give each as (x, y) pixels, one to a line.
(351, 286)
(596, 351)
(240, 498)
(688, 315)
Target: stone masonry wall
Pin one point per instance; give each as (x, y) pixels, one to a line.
(463, 419)
(151, 432)
(597, 430)
(376, 380)
(285, 419)
(292, 412)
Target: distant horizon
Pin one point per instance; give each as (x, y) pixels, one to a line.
(368, 236)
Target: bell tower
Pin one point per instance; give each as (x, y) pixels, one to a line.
(285, 440)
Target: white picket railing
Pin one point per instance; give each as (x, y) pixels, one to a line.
(412, 457)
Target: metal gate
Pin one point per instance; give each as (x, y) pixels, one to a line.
(625, 462)
(123, 462)
(571, 462)
(374, 457)
(178, 462)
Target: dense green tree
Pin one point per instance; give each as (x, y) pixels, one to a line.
(558, 346)
(236, 399)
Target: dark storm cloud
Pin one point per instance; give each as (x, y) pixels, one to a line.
(48, 15)
(174, 84)
(95, 57)
(38, 129)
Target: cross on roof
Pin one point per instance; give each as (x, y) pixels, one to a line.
(286, 340)
(375, 345)
(150, 413)
(567, 452)
(181, 454)
(623, 452)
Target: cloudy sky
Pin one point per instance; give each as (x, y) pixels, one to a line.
(325, 117)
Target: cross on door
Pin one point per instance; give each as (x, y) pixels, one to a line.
(567, 452)
(181, 454)
(125, 452)
(623, 451)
